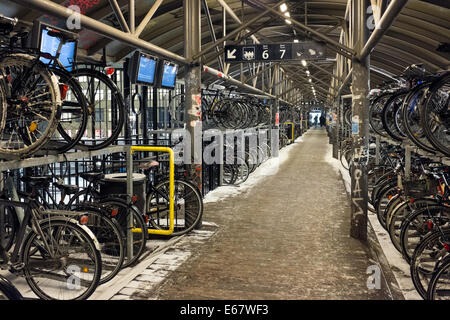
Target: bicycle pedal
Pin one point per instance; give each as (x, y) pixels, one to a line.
(17, 267)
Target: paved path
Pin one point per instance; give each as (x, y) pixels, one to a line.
(286, 238)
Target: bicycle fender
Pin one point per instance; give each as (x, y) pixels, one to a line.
(85, 228)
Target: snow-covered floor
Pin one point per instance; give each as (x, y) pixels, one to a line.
(399, 266)
(268, 168)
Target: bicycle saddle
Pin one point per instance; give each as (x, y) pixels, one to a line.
(92, 176)
(67, 188)
(63, 36)
(148, 165)
(36, 181)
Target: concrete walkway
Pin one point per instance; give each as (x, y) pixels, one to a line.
(286, 238)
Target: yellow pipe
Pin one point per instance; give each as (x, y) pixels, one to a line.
(292, 128)
(171, 187)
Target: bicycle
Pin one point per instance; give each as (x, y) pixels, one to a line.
(29, 94)
(58, 255)
(100, 220)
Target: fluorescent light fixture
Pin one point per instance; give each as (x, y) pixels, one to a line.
(287, 14)
(283, 7)
(287, 21)
(304, 62)
(310, 80)
(307, 72)
(295, 40)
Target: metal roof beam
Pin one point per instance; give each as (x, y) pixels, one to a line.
(380, 29)
(101, 28)
(233, 33)
(341, 49)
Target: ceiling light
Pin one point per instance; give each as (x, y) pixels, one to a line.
(287, 21)
(295, 40)
(304, 62)
(310, 80)
(287, 14)
(283, 7)
(307, 72)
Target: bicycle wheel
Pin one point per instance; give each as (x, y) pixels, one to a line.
(137, 230)
(106, 108)
(10, 227)
(435, 114)
(228, 174)
(74, 114)
(109, 235)
(382, 202)
(188, 207)
(411, 116)
(8, 291)
(427, 258)
(439, 287)
(34, 105)
(68, 267)
(417, 225)
(390, 114)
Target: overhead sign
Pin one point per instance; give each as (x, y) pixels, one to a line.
(275, 52)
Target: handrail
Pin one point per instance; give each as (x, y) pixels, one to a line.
(171, 186)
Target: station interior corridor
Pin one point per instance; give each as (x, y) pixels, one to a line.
(285, 238)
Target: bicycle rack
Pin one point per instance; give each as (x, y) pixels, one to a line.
(171, 186)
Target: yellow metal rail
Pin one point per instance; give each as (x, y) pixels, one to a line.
(171, 187)
(292, 130)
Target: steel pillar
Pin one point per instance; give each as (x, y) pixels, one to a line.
(193, 81)
(360, 121)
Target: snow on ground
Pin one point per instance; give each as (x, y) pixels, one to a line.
(399, 266)
(268, 168)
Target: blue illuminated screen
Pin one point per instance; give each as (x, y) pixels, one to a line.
(146, 71)
(169, 75)
(50, 45)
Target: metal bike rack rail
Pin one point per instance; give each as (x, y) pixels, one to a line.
(132, 149)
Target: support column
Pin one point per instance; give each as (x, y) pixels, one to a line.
(360, 121)
(192, 78)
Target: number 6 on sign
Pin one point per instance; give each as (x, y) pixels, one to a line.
(265, 54)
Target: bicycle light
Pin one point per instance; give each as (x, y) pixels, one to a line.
(134, 198)
(46, 55)
(114, 212)
(84, 219)
(109, 70)
(63, 88)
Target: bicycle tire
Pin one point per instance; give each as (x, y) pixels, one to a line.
(117, 119)
(433, 113)
(24, 121)
(410, 227)
(55, 228)
(422, 274)
(8, 291)
(443, 272)
(74, 104)
(124, 209)
(159, 219)
(110, 236)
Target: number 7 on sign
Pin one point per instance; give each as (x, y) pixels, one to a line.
(283, 51)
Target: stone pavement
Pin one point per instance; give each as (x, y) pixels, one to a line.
(285, 238)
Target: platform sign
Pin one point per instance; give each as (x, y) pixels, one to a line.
(307, 50)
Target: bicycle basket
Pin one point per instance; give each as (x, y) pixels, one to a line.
(419, 188)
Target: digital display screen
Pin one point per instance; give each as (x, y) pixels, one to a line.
(169, 75)
(146, 70)
(50, 45)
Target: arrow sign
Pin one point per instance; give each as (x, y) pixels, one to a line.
(231, 54)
